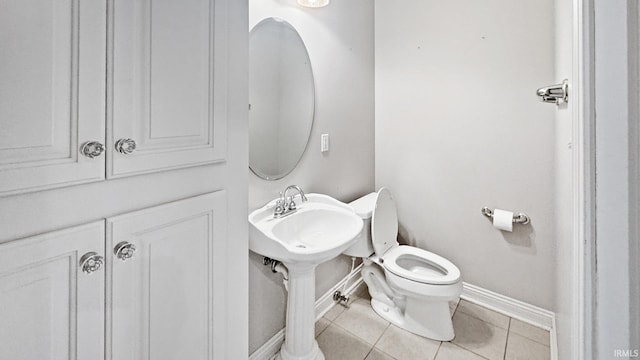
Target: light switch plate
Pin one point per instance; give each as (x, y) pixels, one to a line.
(324, 142)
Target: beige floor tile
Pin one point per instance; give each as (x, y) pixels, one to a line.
(362, 291)
(452, 307)
(529, 331)
(484, 314)
(335, 311)
(338, 344)
(352, 299)
(521, 348)
(478, 336)
(362, 321)
(449, 351)
(404, 345)
(454, 303)
(321, 325)
(378, 355)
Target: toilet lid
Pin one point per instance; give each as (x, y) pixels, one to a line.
(384, 223)
(421, 266)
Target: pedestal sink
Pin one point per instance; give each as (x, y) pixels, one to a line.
(320, 229)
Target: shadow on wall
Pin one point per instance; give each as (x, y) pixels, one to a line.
(405, 237)
(522, 239)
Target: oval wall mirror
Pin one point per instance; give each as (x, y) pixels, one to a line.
(281, 97)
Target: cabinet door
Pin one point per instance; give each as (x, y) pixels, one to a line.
(50, 308)
(169, 87)
(52, 92)
(166, 301)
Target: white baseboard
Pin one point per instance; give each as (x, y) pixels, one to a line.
(322, 306)
(268, 350)
(554, 340)
(511, 307)
(325, 302)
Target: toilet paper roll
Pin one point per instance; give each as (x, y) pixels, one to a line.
(503, 220)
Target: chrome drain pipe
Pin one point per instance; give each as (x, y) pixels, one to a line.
(278, 267)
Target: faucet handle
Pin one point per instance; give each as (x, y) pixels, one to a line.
(290, 204)
(280, 207)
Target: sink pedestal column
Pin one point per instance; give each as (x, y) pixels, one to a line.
(299, 341)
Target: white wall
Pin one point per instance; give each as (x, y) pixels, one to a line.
(339, 39)
(458, 127)
(634, 175)
(617, 153)
(567, 250)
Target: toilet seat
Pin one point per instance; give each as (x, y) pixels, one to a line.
(384, 223)
(419, 265)
(408, 262)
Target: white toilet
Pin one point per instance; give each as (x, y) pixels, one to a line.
(409, 287)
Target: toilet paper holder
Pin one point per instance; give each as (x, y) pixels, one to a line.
(520, 218)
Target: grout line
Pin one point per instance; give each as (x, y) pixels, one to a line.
(508, 325)
(358, 336)
(504, 356)
(534, 340)
(326, 327)
(382, 334)
(369, 353)
(468, 350)
(531, 337)
(455, 310)
(340, 314)
(389, 355)
(485, 320)
(437, 351)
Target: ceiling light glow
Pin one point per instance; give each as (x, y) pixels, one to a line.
(314, 3)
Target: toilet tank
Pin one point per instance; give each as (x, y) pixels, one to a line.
(364, 208)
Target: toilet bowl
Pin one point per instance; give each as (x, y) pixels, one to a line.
(409, 287)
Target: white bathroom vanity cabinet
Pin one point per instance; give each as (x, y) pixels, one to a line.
(122, 141)
(91, 90)
(158, 300)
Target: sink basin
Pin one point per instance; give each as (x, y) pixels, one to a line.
(321, 229)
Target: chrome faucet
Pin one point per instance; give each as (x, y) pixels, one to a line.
(285, 205)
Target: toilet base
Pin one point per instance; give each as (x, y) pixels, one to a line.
(428, 319)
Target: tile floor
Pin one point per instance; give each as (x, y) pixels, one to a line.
(358, 333)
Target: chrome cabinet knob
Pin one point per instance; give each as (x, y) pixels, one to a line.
(124, 250)
(125, 146)
(91, 149)
(91, 262)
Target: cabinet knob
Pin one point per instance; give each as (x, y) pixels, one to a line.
(124, 250)
(91, 262)
(92, 149)
(125, 146)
